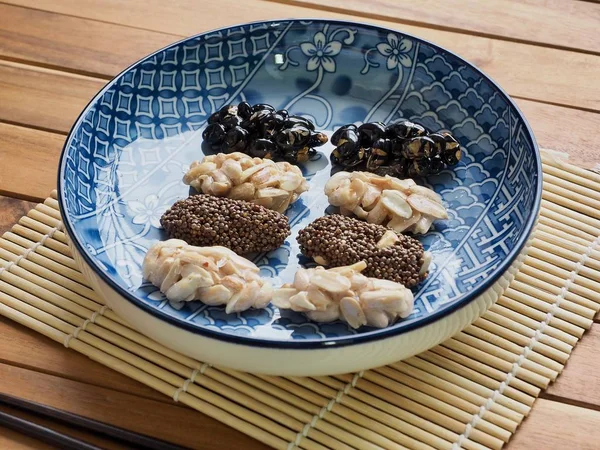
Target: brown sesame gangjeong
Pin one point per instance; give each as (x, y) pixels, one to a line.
(401, 205)
(338, 240)
(213, 275)
(325, 295)
(241, 226)
(274, 185)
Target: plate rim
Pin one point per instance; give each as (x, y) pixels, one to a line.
(303, 344)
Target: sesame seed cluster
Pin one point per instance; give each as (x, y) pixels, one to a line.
(241, 226)
(338, 240)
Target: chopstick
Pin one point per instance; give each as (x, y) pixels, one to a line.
(111, 431)
(43, 433)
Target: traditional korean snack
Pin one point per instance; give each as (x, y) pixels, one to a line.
(401, 205)
(401, 149)
(241, 226)
(213, 275)
(344, 293)
(261, 131)
(274, 185)
(338, 240)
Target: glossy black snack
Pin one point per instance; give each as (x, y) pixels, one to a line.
(379, 155)
(419, 167)
(346, 140)
(290, 139)
(404, 129)
(236, 139)
(370, 132)
(262, 107)
(261, 131)
(292, 121)
(262, 148)
(230, 122)
(214, 134)
(244, 110)
(227, 111)
(418, 148)
(401, 149)
(317, 139)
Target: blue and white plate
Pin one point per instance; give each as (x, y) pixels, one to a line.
(123, 163)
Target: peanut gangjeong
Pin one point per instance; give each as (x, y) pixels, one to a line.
(274, 185)
(213, 275)
(401, 205)
(343, 293)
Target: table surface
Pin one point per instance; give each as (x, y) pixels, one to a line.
(56, 54)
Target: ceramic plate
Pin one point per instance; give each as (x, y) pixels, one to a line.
(123, 163)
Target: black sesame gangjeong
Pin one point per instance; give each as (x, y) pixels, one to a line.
(241, 226)
(261, 131)
(401, 149)
(338, 240)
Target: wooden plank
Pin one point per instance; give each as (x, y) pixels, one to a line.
(11, 210)
(564, 129)
(32, 96)
(571, 25)
(84, 46)
(579, 381)
(554, 425)
(170, 422)
(23, 347)
(43, 98)
(527, 71)
(28, 159)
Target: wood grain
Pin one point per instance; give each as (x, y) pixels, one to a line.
(106, 48)
(43, 98)
(11, 210)
(25, 348)
(74, 44)
(161, 420)
(579, 381)
(572, 25)
(554, 425)
(28, 162)
(564, 129)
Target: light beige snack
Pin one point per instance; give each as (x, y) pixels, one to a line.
(325, 295)
(401, 205)
(274, 185)
(213, 275)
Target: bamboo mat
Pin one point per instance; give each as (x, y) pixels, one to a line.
(470, 392)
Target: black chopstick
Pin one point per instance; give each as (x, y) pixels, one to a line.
(111, 431)
(43, 433)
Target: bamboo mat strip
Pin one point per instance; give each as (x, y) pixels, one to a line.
(470, 392)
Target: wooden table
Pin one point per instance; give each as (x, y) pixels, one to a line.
(55, 55)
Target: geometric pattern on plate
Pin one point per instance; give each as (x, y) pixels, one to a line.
(124, 164)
